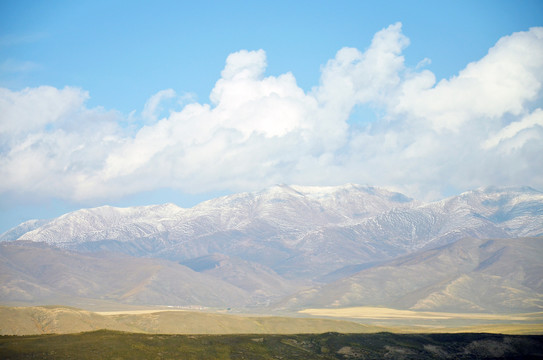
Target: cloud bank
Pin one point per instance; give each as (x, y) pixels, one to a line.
(483, 126)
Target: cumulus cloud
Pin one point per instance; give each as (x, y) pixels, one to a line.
(152, 107)
(32, 109)
(49, 141)
(483, 126)
(530, 125)
(501, 83)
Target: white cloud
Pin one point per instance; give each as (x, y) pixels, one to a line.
(245, 65)
(355, 77)
(480, 127)
(49, 142)
(513, 130)
(31, 109)
(502, 82)
(152, 106)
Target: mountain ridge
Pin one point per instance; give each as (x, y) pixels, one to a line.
(470, 275)
(271, 243)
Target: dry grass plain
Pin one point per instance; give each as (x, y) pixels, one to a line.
(64, 320)
(58, 319)
(425, 321)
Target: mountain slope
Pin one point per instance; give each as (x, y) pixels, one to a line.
(473, 275)
(262, 283)
(268, 244)
(41, 274)
(290, 228)
(273, 222)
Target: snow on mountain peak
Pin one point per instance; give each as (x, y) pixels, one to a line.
(104, 222)
(301, 219)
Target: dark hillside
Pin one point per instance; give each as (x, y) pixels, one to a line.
(117, 345)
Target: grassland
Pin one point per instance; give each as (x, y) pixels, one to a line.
(64, 320)
(55, 332)
(370, 312)
(423, 321)
(117, 345)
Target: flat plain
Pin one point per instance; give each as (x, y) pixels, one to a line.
(396, 320)
(36, 320)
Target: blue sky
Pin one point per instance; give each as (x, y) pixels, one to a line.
(135, 102)
(123, 52)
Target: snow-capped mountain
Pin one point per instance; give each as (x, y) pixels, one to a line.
(276, 219)
(292, 235)
(105, 222)
(284, 226)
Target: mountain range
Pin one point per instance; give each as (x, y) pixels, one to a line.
(289, 247)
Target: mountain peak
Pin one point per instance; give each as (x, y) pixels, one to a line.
(263, 242)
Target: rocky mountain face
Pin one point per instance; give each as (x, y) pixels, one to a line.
(263, 247)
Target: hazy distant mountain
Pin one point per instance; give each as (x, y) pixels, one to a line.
(473, 275)
(41, 274)
(267, 244)
(261, 282)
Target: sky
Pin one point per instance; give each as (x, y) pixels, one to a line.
(130, 103)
